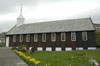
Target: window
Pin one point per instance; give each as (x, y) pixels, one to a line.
(14, 38)
(28, 38)
(35, 37)
(44, 37)
(84, 36)
(21, 38)
(53, 37)
(73, 36)
(63, 37)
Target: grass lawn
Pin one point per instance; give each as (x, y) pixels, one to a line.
(67, 58)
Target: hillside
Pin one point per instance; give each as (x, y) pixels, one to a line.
(97, 26)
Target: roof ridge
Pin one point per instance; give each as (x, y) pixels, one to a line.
(56, 21)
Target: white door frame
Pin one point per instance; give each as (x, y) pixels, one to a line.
(7, 41)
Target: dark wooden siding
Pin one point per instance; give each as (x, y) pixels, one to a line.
(91, 42)
(11, 41)
(68, 43)
(91, 39)
(31, 40)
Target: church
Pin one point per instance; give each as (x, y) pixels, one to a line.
(58, 35)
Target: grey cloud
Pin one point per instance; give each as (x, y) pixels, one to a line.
(10, 6)
(94, 14)
(6, 26)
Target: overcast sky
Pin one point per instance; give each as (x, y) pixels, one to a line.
(47, 10)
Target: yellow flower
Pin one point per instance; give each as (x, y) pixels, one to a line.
(48, 64)
(32, 60)
(89, 60)
(27, 57)
(37, 62)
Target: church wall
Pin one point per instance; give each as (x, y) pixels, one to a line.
(58, 45)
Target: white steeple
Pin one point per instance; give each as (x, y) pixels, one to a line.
(20, 19)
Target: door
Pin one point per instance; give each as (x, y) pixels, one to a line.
(7, 41)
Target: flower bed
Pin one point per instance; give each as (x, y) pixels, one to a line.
(29, 59)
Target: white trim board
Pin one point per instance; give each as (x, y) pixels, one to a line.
(91, 48)
(30, 48)
(58, 49)
(39, 48)
(79, 48)
(48, 48)
(68, 48)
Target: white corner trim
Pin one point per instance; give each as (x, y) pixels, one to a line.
(68, 48)
(79, 48)
(91, 48)
(48, 48)
(58, 49)
(39, 49)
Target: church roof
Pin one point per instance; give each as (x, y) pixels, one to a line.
(83, 24)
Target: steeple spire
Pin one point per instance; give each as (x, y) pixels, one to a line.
(21, 9)
(20, 19)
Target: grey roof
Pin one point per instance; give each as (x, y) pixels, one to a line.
(83, 24)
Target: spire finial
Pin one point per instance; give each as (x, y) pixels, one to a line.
(21, 9)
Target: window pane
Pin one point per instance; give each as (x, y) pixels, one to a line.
(73, 36)
(63, 37)
(27, 38)
(14, 38)
(21, 38)
(35, 37)
(84, 36)
(43, 37)
(53, 37)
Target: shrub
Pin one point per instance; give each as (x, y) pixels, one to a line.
(2, 44)
(22, 48)
(98, 43)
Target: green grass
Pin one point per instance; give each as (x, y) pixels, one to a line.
(75, 58)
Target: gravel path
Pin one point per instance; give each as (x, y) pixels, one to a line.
(8, 58)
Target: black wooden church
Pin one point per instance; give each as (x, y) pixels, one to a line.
(59, 35)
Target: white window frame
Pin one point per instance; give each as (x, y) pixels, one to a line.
(85, 36)
(14, 38)
(62, 36)
(73, 34)
(35, 37)
(53, 37)
(44, 36)
(28, 38)
(21, 38)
